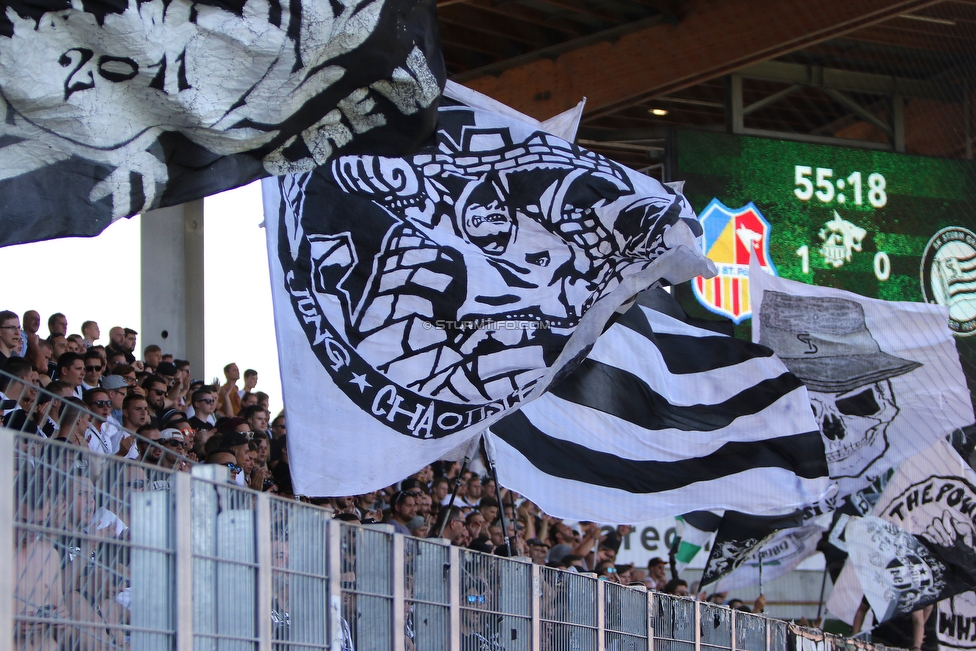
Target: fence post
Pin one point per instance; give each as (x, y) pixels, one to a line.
(183, 487)
(650, 620)
(535, 606)
(768, 632)
(8, 531)
(732, 624)
(262, 548)
(399, 560)
(601, 615)
(698, 625)
(454, 587)
(334, 558)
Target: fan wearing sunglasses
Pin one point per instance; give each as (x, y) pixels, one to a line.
(225, 458)
(174, 446)
(203, 401)
(156, 389)
(177, 420)
(99, 430)
(479, 629)
(93, 370)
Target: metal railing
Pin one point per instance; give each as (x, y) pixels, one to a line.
(112, 553)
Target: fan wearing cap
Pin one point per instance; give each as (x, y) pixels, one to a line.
(174, 389)
(657, 576)
(176, 419)
(116, 388)
(236, 444)
(418, 527)
(825, 342)
(538, 550)
(174, 445)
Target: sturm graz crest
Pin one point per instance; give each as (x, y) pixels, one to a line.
(438, 290)
(949, 276)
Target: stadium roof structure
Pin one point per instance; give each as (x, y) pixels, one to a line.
(888, 74)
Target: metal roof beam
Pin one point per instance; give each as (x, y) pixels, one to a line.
(713, 38)
(851, 81)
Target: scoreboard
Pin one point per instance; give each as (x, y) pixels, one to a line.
(880, 224)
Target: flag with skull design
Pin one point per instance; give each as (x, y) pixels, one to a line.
(884, 378)
(884, 382)
(418, 300)
(114, 107)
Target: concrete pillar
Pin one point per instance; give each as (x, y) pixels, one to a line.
(172, 283)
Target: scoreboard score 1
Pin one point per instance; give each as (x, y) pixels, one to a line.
(880, 224)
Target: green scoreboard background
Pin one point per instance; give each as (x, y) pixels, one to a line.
(880, 224)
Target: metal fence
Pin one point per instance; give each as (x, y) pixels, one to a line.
(159, 554)
(113, 554)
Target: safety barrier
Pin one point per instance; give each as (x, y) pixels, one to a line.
(159, 554)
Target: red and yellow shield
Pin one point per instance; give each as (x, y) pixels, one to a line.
(729, 237)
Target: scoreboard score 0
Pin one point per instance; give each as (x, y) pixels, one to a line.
(880, 224)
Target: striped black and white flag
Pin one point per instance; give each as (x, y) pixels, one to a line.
(664, 417)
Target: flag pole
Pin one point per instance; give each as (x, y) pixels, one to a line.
(511, 501)
(457, 484)
(498, 493)
(823, 586)
(760, 576)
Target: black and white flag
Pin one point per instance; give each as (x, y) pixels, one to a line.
(418, 300)
(113, 107)
(664, 417)
(739, 537)
(919, 545)
(777, 556)
(956, 622)
(884, 377)
(901, 573)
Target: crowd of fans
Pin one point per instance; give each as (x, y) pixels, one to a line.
(103, 398)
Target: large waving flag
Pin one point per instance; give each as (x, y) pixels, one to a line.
(418, 300)
(884, 377)
(777, 557)
(113, 107)
(919, 544)
(900, 572)
(739, 537)
(662, 418)
(884, 382)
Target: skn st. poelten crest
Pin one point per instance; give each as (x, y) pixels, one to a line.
(729, 237)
